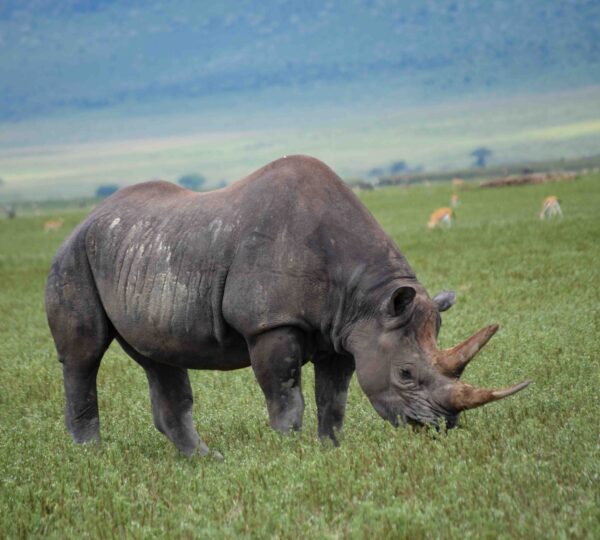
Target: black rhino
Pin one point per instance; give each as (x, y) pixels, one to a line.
(282, 267)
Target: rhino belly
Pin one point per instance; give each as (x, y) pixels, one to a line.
(172, 332)
(165, 302)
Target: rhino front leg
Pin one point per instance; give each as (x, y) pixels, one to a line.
(332, 378)
(276, 358)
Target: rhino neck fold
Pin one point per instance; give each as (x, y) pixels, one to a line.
(359, 295)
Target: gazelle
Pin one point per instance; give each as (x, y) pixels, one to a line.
(442, 216)
(454, 200)
(53, 225)
(550, 208)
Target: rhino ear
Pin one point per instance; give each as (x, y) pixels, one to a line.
(401, 299)
(444, 300)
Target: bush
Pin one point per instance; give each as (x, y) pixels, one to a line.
(192, 181)
(106, 190)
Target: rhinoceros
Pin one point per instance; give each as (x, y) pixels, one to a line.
(282, 267)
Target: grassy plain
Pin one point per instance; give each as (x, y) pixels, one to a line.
(527, 467)
(228, 139)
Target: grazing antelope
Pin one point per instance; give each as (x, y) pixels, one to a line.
(550, 208)
(53, 225)
(442, 216)
(454, 201)
(10, 211)
(458, 183)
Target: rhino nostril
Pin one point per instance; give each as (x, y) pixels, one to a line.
(406, 374)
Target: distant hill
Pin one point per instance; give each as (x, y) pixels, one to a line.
(93, 54)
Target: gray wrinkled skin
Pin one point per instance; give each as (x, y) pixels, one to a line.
(284, 266)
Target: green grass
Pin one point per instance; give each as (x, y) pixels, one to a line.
(526, 467)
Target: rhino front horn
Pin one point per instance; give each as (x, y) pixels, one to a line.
(465, 396)
(452, 362)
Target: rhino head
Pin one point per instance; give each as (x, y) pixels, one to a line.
(405, 375)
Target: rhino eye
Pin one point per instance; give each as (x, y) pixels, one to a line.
(406, 374)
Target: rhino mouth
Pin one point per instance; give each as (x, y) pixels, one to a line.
(449, 422)
(399, 412)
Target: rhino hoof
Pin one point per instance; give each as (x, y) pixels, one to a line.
(205, 451)
(216, 455)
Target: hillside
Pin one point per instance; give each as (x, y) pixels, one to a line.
(95, 54)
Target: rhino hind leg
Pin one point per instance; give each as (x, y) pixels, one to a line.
(171, 399)
(82, 333)
(81, 400)
(276, 357)
(332, 378)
